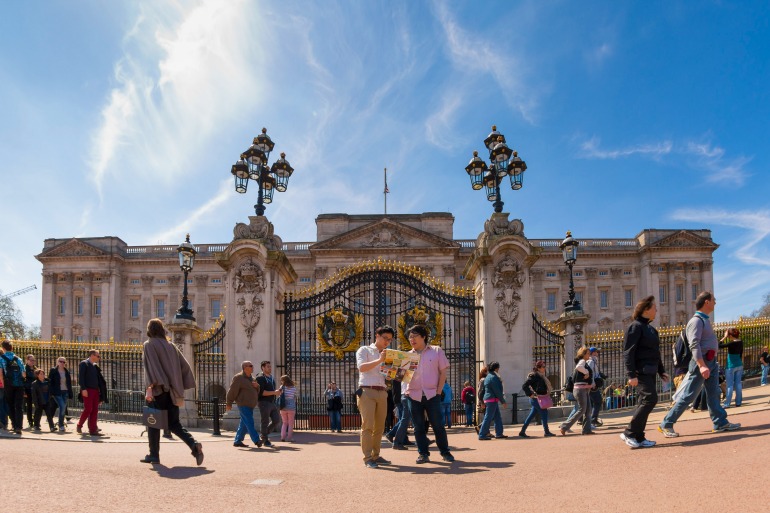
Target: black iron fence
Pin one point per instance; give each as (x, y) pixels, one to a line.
(549, 347)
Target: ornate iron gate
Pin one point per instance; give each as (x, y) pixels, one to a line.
(325, 324)
(210, 365)
(549, 347)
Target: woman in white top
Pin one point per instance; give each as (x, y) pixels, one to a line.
(584, 380)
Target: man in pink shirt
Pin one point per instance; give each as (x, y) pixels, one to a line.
(423, 391)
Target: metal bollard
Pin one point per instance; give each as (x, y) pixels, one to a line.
(514, 408)
(215, 405)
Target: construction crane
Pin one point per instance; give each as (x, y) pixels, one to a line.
(19, 292)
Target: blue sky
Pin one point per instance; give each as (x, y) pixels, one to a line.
(123, 118)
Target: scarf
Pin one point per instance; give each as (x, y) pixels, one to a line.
(547, 382)
(166, 369)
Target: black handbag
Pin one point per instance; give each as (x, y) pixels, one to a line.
(153, 417)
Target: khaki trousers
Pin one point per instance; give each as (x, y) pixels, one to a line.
(373, 405)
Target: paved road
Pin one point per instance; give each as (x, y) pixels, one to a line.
(697, 472)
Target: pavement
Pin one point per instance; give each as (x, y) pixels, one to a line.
(321, 471)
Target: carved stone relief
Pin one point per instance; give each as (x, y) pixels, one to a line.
(499, 225)
(507, 280)
(259, 228)
(147, 281)
(320, 273)
(385, 238)
(249, 285)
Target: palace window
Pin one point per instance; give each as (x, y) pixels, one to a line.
(135, 282)
(628, 273)
(579, 296)
(216, 308)
(694, 291)
(604, 299)
(60, 307)
(662, 294)
(134, 308)
(629, 296)
(680, 293)
(160, 282)
(550, 274)
(97, 306)
(604, 273)
(578, 274)
(160, 308)
(216, 280)
(551, 300)
(78, 305)
(305, 279)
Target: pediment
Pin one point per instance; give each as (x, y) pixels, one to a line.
(684, 239)
(73, 248)
(384, 234)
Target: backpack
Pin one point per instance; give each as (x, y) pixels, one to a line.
(282, 399)
(13, 372)
(681, 349)
(470, 397)
(569, 386)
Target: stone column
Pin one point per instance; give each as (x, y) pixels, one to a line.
(571, 326)
(184, 333)
(708, 277)
(539, 300)
(88, 278)
(689, 308)
(146, 312)
(175, 294)
(69, 307)
(671, 269)
(617, 298)
(591, 297)
(49, 306)
(201, 300)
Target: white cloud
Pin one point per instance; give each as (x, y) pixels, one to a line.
(700, 156)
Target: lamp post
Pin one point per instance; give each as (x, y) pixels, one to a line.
(186, 262)
(504, 162)
(569, 251)
(253, 166)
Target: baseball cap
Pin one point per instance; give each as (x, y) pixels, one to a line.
(593, 349)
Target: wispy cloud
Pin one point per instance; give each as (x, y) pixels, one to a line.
(756, 224)
(184, 74)
(710, 159)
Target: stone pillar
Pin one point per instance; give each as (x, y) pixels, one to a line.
(201, 300)
(500, 268)
(571, 325)
(69, 306)
(708, 277)
(257, 272)
(175, 294)
(88, 278)
(671, 269)
(146, 311)
(184, 333)
(112, 308)
(591, 300)
(617, 300)
(539, 298)
(48, 306)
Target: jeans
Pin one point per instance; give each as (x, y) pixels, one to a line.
(164, 402)
(446, 414)
(468, 414)
(765, 368)
(596, 404)
(432, 408)
(246, 425)
(648, 398)
(61, 403)
(269, 417)
(690, 387)
(287, 424)
(534, 410)
(335, 420)
(733, 377)
(491, 415)
(404, 418)
(584, 410)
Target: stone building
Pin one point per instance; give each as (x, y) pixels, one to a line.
(97, 288)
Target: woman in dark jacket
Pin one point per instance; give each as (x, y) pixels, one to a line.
(641, 353)
(536, 384)
(494, 399)
(60, 386)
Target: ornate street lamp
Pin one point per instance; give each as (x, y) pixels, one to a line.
(253, 166)
(569, 248)
(186, 262)
(503, 162)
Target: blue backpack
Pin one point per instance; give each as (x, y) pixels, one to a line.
(13, 371)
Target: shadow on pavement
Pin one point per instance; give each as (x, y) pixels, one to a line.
(440, 467)
(727, 436)
(180, 472)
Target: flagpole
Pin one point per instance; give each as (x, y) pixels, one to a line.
(385, 191)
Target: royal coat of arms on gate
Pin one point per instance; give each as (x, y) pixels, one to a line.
(433, 321)
(339, 331)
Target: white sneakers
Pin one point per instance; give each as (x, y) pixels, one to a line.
(634, 444)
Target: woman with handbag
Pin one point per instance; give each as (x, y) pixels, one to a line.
(494, 399)
(287, 403)
(584, 380)
(538, 389)
(167, 375)
(641, 353)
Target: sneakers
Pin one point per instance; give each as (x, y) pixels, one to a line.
(423, 458)
(370, 464)
(631, 442)
(501, 436)
(668, 432)
(726, 427)
(381, 461)
(647, 443)
(447, 457)
(62, 429)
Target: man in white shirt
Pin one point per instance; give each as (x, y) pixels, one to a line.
(372, 395)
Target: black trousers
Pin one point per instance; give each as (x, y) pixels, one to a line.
(28, 406)
(647, 398)
(39, 409)
(14, 396)
(164, 402)
(268, 416)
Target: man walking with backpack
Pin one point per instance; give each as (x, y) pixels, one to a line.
(703, 371)
(14, 374)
